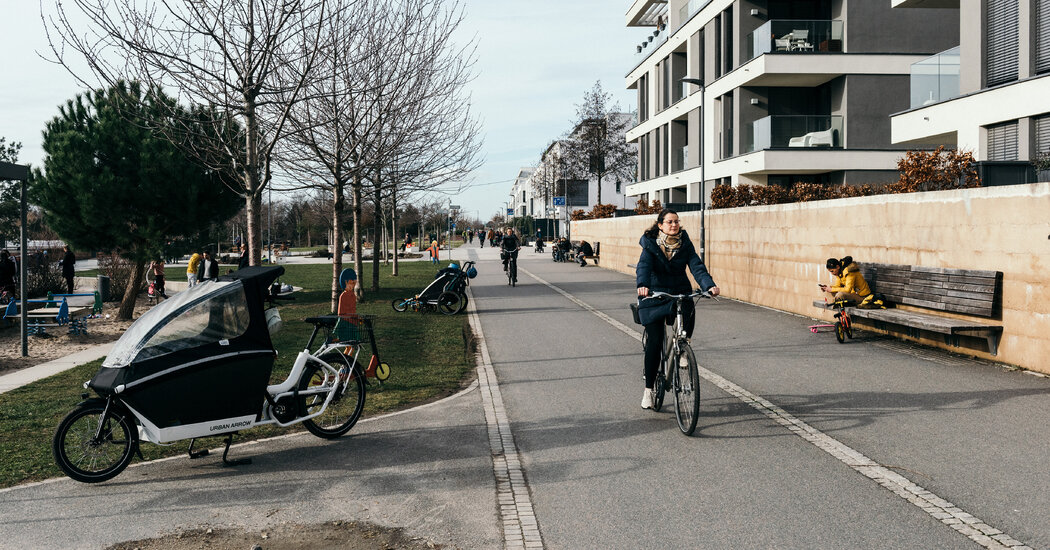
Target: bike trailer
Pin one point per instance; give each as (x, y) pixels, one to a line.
(198, 363)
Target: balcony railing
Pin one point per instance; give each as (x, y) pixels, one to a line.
(688, 10)
(935, 78)
(778, 131)
(795, 36)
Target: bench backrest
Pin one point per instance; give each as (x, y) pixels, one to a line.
(967, 291)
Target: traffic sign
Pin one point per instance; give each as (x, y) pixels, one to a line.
(559, 201)
(510, 211)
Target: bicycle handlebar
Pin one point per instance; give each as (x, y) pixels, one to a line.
(656, 294)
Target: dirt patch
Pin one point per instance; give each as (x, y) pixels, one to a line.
(59, 343)
(334, 535)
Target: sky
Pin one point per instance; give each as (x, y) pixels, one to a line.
(535, 60)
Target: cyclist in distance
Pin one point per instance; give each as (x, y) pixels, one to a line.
(509, 246)
(667, 253)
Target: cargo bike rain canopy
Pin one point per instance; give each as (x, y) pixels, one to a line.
(204, 353)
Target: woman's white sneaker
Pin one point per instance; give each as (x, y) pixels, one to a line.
(647, 399)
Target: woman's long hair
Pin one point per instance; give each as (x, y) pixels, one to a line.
(835, 262)
(654, 231)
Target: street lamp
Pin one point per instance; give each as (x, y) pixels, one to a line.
(700, 151)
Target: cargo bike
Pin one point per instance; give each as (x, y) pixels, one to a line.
(199, 365)
(447, 293)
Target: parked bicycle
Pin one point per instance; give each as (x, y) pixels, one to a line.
(199, 365)
(678, 370)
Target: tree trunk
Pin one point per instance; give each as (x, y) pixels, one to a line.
(254, 237)
(337, 258)
(358, 249)
(131, 293)
(377, 227)
(393, 231)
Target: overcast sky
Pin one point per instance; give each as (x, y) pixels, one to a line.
(536, 58)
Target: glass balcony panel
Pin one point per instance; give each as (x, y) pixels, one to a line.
(679, 158)
(779, 131)
(795, 36)
(935, 78)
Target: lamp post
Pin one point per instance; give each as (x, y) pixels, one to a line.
(700, 146)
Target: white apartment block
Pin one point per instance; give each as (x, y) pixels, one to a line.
(990, 92)
(535, 188)
(792, 90)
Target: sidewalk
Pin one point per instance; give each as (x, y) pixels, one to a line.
(18, 379)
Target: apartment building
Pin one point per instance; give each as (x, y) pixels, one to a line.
(551, 190)
(773, 91)
(990, 92)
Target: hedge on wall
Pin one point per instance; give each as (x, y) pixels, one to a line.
(919, 171)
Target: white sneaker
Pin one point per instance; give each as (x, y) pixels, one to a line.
(647, 399)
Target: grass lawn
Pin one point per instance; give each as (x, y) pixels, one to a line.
(430, 356)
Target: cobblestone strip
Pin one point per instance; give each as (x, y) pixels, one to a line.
(947, 513)
(520, 528)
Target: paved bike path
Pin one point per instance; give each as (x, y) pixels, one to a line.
(601, 470)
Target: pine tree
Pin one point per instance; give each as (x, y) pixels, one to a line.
(111, 182)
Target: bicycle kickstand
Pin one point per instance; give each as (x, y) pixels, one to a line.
(234, 462)
(197, 454)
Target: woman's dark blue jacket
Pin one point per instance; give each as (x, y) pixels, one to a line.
(656, 272)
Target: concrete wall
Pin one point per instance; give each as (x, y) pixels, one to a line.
(774, 255)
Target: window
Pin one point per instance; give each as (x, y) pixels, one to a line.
(643, 99)
(727, 49)
(727, 125)
(1042, 36)
(666, 81)
(1002, 141)
(1041, 125)
(701, 63)
(656, 134)
(1001, 47)
(718, 46)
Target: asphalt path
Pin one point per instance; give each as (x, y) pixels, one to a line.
(802, 443)
(604, 473)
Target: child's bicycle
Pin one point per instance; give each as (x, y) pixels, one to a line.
(843, 322)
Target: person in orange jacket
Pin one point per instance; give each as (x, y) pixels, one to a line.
(433, 250)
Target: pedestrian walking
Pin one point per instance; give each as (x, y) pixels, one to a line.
(193, 269)
(68, 263)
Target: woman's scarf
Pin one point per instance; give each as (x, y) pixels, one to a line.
(669, 243)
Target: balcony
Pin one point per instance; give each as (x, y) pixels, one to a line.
(785, 131)
(795, 36)
(935, 78)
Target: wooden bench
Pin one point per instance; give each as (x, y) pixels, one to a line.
(976, 293)
(597, 251)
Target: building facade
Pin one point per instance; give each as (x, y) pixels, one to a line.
(552, 190)
(990, 92)
(773, 91)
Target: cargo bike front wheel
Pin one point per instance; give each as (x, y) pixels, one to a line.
(93, 443)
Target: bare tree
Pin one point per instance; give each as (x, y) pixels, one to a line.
(244, 59)
(597, 147)
(426, 136)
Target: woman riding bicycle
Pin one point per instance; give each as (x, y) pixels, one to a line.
(667, 253)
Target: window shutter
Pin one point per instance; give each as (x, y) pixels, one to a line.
(1002, 141)
(1042, 134)
(1042, 36)
(1001, 22)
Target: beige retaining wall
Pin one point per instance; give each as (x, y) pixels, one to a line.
(774, 255)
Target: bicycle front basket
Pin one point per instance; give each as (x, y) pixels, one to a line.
(352, 329)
